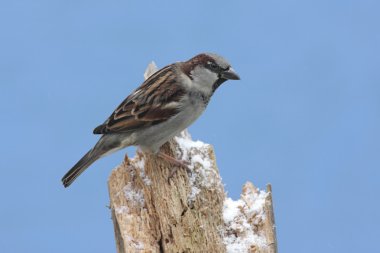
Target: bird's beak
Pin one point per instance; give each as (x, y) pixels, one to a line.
(230, 74)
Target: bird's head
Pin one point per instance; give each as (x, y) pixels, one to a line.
(208, 71)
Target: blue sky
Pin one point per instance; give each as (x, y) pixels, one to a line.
(305, 116)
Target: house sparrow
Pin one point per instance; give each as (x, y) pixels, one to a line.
(164, 105)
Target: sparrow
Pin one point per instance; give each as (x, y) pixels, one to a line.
(165, 104)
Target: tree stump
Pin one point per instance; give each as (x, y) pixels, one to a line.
(188, 212)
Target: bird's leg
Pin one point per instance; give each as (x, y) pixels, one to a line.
(174, 161)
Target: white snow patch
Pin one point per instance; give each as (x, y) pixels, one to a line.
(240, 218)
(140, 165)
(231, 209)
(203, 171)
(194, 192)
(133, 195)
(121, 209)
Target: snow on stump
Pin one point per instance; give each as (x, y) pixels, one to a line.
(188, 212)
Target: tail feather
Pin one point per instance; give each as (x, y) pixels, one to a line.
(89, 158)
(106, 145)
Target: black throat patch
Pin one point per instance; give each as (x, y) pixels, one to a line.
(218, 83)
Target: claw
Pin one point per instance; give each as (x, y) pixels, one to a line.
(172, 160)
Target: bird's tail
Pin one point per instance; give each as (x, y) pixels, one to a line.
(89, 158)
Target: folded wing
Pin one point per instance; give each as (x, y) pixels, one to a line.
(155, 101)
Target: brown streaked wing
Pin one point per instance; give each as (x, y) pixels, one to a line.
(148, 105)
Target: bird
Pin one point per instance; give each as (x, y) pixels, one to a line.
(164, 105)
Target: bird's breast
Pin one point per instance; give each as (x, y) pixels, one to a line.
(154, 137)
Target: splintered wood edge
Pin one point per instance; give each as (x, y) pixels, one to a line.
(270, 225)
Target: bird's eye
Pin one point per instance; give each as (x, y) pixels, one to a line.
(213, 66)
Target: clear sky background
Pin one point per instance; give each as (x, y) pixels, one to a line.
(305, 115)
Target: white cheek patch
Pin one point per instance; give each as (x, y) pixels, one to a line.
(203, 79)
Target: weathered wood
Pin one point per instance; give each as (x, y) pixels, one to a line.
(269, 224)
(185, 213)
(153, 213)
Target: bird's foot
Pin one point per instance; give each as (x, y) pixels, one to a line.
(179, 163)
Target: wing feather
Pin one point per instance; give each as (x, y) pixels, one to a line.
(155, 101)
